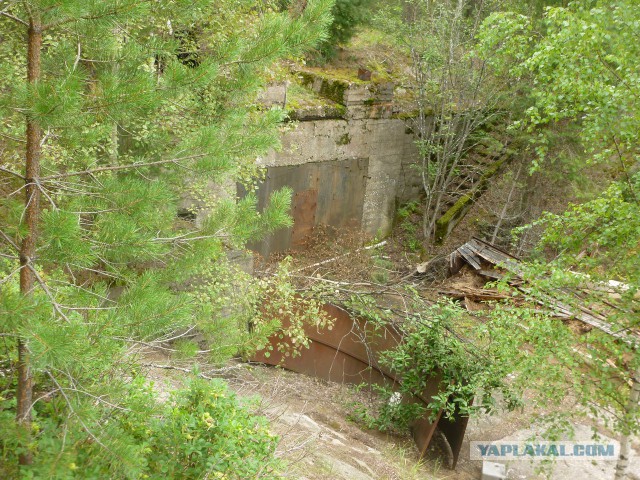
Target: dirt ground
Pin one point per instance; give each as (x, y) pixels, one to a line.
(318, 439)
(321, 442)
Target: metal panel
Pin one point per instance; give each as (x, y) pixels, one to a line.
(304, 216)
(350, 353)
(325, 193)
(454, 431)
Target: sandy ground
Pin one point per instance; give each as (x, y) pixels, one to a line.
(321, 442)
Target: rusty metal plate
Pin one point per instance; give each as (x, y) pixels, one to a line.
(350, 353)
(325, 193)
(304, 217)
(454, 431)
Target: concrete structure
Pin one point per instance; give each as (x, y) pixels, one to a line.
(348, 161)
(493, 471)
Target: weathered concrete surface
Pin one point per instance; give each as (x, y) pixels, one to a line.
(370, 133)
(489, 429)
(520, 426)
(383, 143)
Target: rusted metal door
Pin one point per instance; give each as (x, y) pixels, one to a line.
(325, 193)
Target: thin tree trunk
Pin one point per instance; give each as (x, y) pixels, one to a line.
(632, 406)
(503, 213)
(28, 249)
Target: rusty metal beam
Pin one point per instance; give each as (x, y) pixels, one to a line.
(350, 353)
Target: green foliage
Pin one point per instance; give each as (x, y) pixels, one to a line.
(347, 15)
(207, 429)
(389, 414)
(410, 227)
(454, 93)
(583, 70)
(380, 269)
(203, 429)
(285, 311)
(431, 349)
(581, 60)
(594, 264)
(142, 109)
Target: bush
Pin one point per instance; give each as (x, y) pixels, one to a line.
(429, 348)
(203, 430)
(207, 430)
(347, 16)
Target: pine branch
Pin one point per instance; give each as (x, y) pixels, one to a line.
(71, 409)
(42, 190)
(175, 337)
(83, 392)
(8, 277)
(109, 13)
(10, 172)
(370, 247)
(121, 167)
(14, 18)
(12, 138)
(217, 371)
(7, 238)
(43, 285)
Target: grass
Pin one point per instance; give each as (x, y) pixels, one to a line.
(405, 458)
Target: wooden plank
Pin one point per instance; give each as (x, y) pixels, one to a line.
(470, 257)
(476, 249)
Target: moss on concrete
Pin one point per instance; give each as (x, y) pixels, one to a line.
(451, 217)
(334, 90)
(305, 104)
(329, 88)
(344, 139)
(326, 112)
(406, 115)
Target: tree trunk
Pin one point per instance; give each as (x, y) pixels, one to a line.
(505, 208)
(28, 248)
(632, 406)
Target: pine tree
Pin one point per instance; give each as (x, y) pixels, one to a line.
(111, 113)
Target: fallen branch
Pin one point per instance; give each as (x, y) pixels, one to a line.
(218, 371)
(333, 259)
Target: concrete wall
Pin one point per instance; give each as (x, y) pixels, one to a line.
(370, 133)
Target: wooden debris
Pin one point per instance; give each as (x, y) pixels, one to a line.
(475, 294)
(488, 260)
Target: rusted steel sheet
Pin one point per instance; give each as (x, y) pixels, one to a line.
(325, 193)
(350, 353)
(304, 216)
(453, 431)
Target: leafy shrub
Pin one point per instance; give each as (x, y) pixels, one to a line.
(206, 429)
(429, 348)
(347, 16)
(202, 431)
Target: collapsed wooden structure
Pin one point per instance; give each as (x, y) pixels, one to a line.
(494, 263)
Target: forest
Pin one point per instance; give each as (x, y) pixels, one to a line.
(192, 189)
